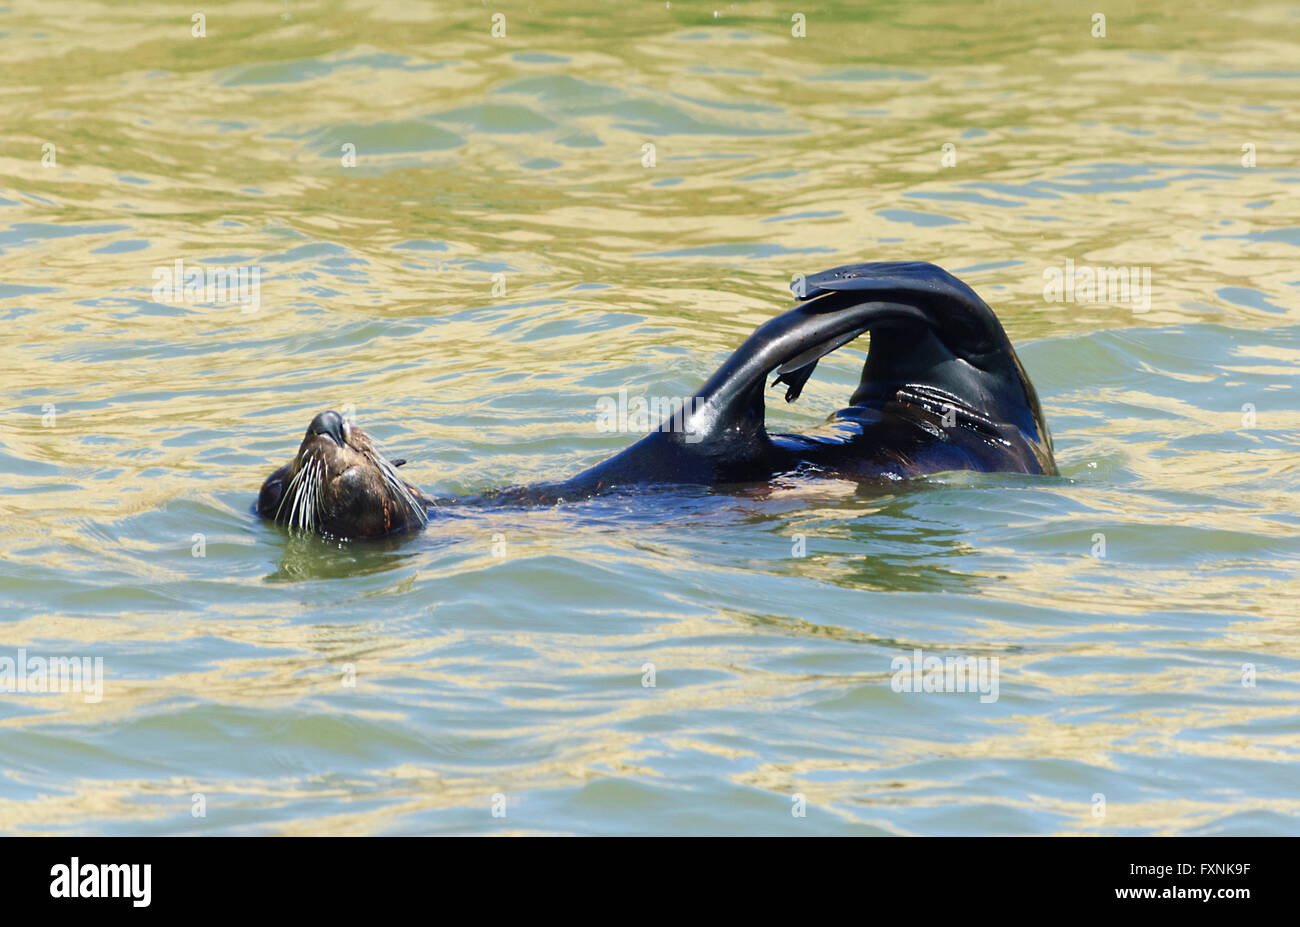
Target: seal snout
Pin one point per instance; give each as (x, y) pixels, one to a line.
(329, 424)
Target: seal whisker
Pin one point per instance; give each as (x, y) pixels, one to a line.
(317, 495)
(302, 489)
(304, 507)
(399, 488)
(395, 484)
(299, 509)
(310, 497)
(289, 494)
(297, 495)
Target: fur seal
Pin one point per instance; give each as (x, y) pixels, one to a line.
(941, 389)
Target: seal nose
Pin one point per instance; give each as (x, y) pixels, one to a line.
(328, 423)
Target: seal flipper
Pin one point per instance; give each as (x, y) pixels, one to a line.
(795, 373)
(960, 358)
(928, 330)
(795, 380)
(719, 436)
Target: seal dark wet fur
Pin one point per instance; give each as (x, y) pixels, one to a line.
(941, 389)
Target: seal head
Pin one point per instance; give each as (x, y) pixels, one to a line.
(340, 484)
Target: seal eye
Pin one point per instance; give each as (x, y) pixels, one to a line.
(331, 425)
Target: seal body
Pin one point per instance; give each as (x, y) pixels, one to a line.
(941, 389)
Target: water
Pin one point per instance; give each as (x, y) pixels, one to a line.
(1121, 705)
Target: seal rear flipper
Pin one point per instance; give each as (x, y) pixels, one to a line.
(934, 343)
(929, 332)
(719, 436)
(960, 357)
(730, 408)
(795, 373)
(795, 380)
